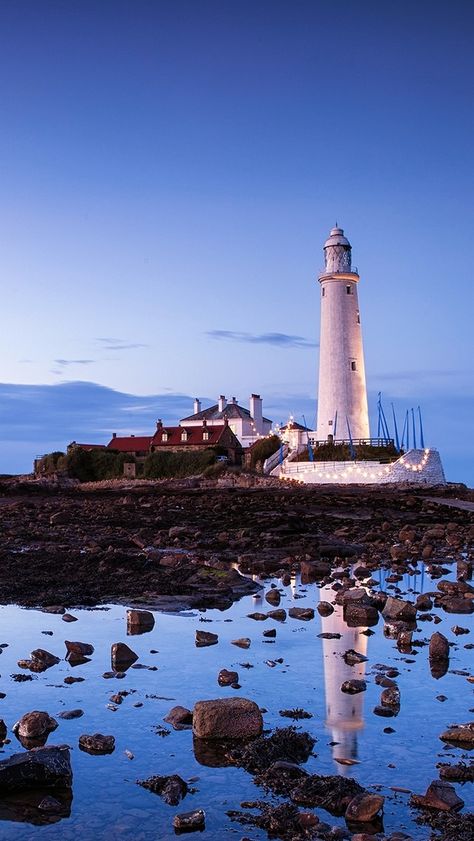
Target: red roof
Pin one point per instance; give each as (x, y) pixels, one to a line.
(130, 443)
(172, 436)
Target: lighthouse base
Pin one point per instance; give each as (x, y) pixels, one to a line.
(415, 467)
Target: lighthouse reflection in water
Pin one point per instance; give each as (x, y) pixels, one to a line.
(344, 712)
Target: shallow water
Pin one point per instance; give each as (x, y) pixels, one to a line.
(107, 804)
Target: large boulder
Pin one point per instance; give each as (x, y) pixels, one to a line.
(34, 727)
(439, 647)
(227, 718)
(48, 767)
(439, 795)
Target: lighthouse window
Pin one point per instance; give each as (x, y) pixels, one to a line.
(353, 366)
(358, 317)
(324, 291)
(349, 290)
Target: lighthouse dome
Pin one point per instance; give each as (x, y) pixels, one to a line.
(336, 237)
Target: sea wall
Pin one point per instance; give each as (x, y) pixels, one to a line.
(416, 467)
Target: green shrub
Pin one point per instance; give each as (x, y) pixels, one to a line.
(95, 465)
(264, 449)
(177, 464)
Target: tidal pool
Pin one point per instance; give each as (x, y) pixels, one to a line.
(107, 803)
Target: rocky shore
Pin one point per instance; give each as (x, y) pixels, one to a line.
(169, 545)
(172, 544)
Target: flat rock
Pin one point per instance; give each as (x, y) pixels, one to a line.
(67, 715)
(45, 657)
(227, 718)
(48, 767)
(97, 743)
(459, 733)
(242, 642)
(190, 821)
(353, 687)
(279, 615)
(304, 613)
(364, 807)
(204, 638)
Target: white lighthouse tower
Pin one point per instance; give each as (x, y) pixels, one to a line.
(342, 394)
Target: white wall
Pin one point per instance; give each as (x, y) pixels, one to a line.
(419, 467)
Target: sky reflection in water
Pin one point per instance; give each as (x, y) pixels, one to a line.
(106, 802)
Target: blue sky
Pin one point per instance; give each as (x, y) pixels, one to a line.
(169, 173)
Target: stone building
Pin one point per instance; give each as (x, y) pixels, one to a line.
(248, 425)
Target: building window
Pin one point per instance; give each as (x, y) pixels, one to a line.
(205, 436)
(323, 291)
(164, 436)
(353, 366)
(184, 436)
(349, 290)
(329, 423)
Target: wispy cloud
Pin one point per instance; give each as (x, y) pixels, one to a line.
(275, 339)
(109, 343)
(64, 362)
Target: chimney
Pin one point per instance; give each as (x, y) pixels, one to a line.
(256, 412)
(222, 402)
(234, 401)
(159, 424)
(197, 406)
(114, 435)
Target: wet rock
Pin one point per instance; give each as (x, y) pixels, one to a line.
(97, 743)
(190, 821)
(172, 788)
(227, 678)
(273, 596)
(228, 718)
(271, 633)
(357, 614)
(439, 647)
(47, 767)
(45, 658)
(67, 715)
(325, 608)
(204, 638)
(364, 807)
(303, 613)
(139, 621)
(399, 610)
(278, 615)
(459, 734)
(460, 773)
(352, 658)
(180, 718)
(3, 730)
(242, 642)
(353, 687)
(439, 795)
(34, 727)
(122, 657)
(384, 712)
(78, 650)
(390, 697)
(68, 617)
(258, 617)
(69, 680)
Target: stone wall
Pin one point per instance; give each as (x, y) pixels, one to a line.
(417, 467)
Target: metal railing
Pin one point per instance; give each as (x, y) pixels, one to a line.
(356, 442)
(350, 270)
